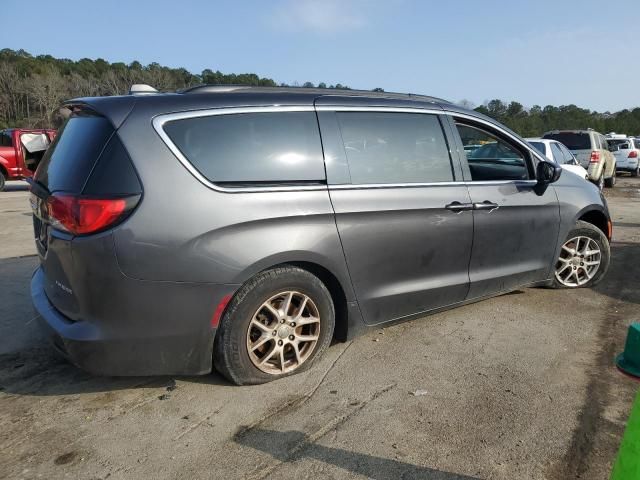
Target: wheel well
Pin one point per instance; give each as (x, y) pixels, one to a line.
(337, 294)
(4, 171)
(598, 219)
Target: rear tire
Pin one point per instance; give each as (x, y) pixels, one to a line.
(258, 339)
(611, 181)
(572, 270)
(2, 181)
(636, 172)
(600, 182)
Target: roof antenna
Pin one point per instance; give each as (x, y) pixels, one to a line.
(138, 88)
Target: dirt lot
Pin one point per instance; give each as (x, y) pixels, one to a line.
(520, 386)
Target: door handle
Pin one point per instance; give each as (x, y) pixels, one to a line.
(459, 207)
(486, 205)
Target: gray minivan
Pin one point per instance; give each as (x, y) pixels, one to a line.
(245, 229)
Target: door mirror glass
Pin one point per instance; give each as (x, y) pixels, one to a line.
(547, 172)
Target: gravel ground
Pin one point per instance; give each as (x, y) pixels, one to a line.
(521, 386)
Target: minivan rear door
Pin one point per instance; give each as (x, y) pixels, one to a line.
(403, 216)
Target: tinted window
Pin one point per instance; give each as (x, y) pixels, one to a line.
(5, 140)
(395, 147)
(539, 146)
(557, 153)
(70, 158)
(252, 147)
(495, 159)
(573, 141)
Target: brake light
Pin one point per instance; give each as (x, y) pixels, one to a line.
(595, 156)
(633, 154)
(81, 216)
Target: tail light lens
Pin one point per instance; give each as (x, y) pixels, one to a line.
(81, 216)
(633, 154)
(595, 156)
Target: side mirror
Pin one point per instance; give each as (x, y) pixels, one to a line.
(547, 172)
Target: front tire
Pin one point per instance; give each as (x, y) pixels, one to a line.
(2, 181)
(584, 258)
(278, 323)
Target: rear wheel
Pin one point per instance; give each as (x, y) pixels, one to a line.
(276, 325)
(611, 181)
(584, 258)
(636, 172)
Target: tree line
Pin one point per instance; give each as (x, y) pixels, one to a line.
(537, 120)
(33, 87)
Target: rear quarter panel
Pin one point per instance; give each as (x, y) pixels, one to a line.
(184, 231)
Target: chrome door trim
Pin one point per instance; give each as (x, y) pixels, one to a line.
(159, 121)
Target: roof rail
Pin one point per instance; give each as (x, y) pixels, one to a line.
(209, 88)
(138, 88)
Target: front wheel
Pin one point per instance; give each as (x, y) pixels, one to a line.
(584, 258)
(277, 324)
(2, 181)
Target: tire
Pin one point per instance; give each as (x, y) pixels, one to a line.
(611, 181)
(2, 181)
(582, 230)
(600, 182)
(635, 172)
(238, 329)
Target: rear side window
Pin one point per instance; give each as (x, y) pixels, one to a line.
(394, 148)
(5, 139)
(270, 148)
(539, 146)
(558, 156)
(572, 140)
(67, 163)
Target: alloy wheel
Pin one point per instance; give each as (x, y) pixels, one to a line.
(283, 332)
(579, 261)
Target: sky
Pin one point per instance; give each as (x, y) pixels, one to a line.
(540, 52)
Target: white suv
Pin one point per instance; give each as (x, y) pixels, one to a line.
(627, 153)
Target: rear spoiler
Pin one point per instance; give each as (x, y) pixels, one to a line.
(116, 109)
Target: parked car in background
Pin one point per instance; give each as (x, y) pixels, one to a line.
(244, 229)
(627, 153)
(592, 152)
(21, 151)
(560, 154)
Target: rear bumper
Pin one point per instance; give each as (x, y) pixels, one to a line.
(100, 349)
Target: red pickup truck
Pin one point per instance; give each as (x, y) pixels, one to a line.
(21, 151)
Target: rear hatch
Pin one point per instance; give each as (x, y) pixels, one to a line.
(578, 142)
(84, 185)
(625, 153)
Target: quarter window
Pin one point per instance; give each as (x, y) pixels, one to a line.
(386, 147)
(5, 140)
(249, 148)
(490, 157)
(557, 154)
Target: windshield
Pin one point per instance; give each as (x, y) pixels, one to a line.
(572, 140)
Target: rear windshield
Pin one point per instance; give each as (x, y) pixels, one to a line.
(539, 146)
(622, 143)
(70, 158)
(252, 147)
(573, 141)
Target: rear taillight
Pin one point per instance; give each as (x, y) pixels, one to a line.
(81, 216)
(595, 157)
(633, 154)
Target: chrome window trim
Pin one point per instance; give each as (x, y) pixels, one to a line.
(159, 121)
(350, 186)
(381, 109)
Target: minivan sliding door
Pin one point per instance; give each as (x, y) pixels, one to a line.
(403, 218)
